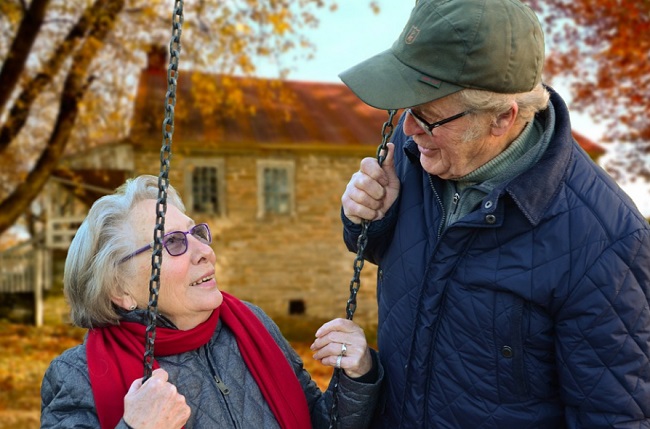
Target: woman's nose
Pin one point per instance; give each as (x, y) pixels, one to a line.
(203, 250)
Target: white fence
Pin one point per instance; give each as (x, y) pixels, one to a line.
(26, 268)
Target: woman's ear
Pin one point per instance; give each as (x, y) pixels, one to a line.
(505, 121)
(125, 301)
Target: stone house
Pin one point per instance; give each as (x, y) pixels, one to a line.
(268, 184)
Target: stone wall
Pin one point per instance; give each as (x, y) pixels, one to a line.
(279, 261)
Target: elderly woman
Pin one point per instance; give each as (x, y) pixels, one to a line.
(219, 362)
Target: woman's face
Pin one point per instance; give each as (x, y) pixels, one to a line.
(188, 288)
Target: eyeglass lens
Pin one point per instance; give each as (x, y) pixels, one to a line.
(176, 242)
(427, 127)
(422, 124)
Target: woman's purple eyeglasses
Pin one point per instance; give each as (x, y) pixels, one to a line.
(175, 242)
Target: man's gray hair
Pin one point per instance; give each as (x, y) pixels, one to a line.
(495, 104)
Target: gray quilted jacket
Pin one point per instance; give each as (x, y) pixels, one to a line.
(233, 402)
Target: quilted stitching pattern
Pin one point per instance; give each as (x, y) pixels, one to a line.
(540, 320)
(67, 401)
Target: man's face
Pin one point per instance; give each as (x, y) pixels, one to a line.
(449, 152)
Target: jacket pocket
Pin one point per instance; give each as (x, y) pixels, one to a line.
(513, 380)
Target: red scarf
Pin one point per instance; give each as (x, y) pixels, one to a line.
(115, 358)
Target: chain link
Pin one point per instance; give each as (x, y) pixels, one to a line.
(161, 209)
(163, 184)
(355, 283)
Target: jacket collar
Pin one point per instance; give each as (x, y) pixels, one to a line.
(534, 189)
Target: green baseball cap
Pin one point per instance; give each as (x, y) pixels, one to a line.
(448, 45)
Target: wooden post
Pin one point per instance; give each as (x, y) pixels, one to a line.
(38, 285)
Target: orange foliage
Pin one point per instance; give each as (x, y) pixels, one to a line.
(26, 353)
(98, 71)
(604, 48)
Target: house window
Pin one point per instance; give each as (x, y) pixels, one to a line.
(205, 186)
(275, 187)
(296, 307)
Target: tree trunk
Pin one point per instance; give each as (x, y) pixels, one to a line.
(73, 90)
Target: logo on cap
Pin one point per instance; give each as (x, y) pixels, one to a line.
(412, 35)
(430, 81)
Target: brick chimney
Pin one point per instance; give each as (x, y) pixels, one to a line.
(157, 60)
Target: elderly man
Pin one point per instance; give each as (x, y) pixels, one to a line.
(514, 274)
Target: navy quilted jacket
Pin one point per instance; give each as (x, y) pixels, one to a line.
(530, 312)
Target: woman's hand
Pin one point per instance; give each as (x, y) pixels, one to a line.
(155, 404)
(354, 358)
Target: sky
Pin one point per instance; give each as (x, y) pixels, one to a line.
(354, 33)
(351, 34)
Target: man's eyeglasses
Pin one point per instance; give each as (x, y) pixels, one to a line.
(175, 242)
(427, 127)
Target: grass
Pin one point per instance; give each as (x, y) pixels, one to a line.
(28, 350)
(26, 353)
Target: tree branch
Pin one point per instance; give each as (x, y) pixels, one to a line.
(20, 110)
(73, 91)
(20, 48)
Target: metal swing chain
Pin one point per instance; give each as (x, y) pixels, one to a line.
(362, 240)
(355, 282)
(163, 184)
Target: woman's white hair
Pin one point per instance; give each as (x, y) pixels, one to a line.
(93, 273)
(495, 104)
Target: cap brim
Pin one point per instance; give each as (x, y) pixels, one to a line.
(385, 82)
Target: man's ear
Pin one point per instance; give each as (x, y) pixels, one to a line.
(505, 121)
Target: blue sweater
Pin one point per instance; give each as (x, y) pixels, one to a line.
(532, 311)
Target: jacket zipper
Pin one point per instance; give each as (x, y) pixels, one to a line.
(223, 388)
(442, 207)
(443, 297)
(221, 385)
(455, 202)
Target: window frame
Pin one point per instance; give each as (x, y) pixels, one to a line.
(190, 166)
(289, 166)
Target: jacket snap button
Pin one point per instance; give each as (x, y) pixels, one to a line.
(490, 219)
(506, 351)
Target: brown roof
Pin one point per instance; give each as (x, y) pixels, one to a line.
(289, 114)
(292, 113)
(588, 145)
